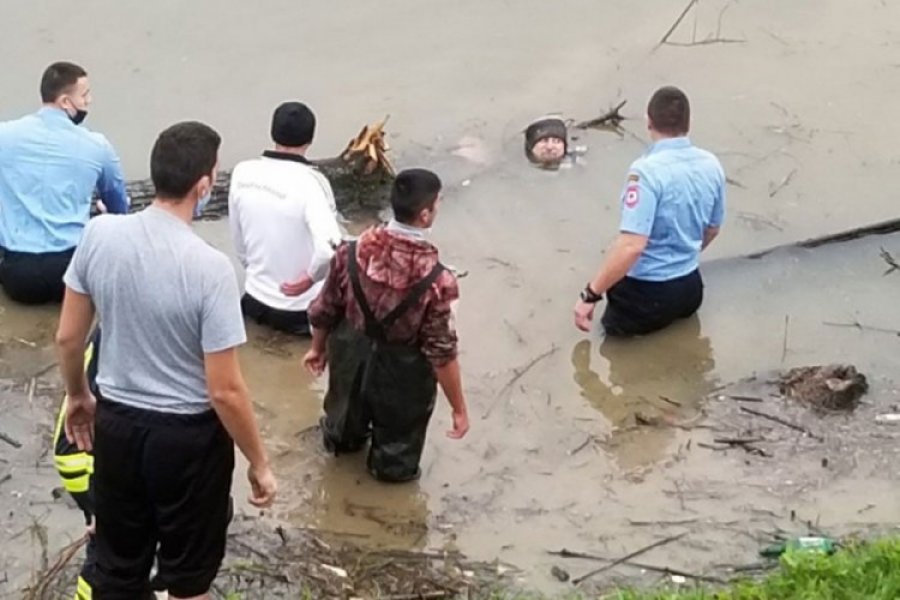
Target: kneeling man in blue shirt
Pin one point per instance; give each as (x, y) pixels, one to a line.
(50, 167)
(673, 204)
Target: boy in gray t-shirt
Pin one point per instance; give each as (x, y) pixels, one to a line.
(171, 395)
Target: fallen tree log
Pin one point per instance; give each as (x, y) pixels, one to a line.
(360, 176)
(880, 228)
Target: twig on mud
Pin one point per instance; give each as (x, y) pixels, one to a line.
(565, 553)
(784, 347)
(679, 522)
(611, 117)
(712, 447)
(46, 578)
(745, 443)
(892, 263)
(515, 332)
(518, 373)
(738, 441)
(499, 261)
(581, 446)
(420, 596)
(627, 557)
(784, 183)
(684, 13)
(784, 422)
(43, 370)
(10, 440)
(739, 398)
(861, 327)
(707, 41)
(670, 401)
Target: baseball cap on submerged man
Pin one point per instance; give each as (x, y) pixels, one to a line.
(293, 124)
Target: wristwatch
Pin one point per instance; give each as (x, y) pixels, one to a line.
(590, 296)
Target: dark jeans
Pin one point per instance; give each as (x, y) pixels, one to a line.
(637, 307)
(292, 322)
(34, 278)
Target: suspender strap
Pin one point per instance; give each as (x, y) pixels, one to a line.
(377, 328)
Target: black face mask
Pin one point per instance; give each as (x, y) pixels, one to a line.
(78, 117)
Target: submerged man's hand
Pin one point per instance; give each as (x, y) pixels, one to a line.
(460, 425)
(584, 314)
(296, 288)
(80, 412)
(262, 485)
(315, 361)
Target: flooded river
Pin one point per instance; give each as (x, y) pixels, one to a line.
(796, 104)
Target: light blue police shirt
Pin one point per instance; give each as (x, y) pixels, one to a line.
(674, 192)
(49, 169)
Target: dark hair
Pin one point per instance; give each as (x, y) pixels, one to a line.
(293, 124)
(58, 78)
(414, 189)
(183, 154)
(670, 111)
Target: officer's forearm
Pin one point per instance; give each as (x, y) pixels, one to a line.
(709, 235)
(449, 378)
(625, 251)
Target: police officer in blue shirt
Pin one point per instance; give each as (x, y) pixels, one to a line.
(673, 204)
(50, 167)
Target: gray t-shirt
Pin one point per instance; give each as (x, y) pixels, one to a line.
(164, 298)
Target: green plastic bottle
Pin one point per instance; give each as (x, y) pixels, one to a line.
(822, 545)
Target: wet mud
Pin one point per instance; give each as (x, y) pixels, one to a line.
(577, 442)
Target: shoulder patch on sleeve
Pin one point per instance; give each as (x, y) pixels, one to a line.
(633, 177)
(632, 195)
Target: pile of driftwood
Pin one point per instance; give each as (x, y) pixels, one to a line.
(360, 176)
(269, 561)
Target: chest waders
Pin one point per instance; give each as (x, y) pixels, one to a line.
(379, 389)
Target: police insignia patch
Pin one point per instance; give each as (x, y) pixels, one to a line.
(632, 196)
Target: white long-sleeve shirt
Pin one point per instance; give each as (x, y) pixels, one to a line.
(284, 224)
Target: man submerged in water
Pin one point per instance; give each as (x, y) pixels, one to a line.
(384, 325)
(546, 141)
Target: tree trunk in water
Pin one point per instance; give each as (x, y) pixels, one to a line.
(361, 178)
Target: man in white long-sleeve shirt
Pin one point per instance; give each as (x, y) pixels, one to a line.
(284, 224)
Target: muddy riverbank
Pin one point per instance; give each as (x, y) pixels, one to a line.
(795, 106)
(597, 447)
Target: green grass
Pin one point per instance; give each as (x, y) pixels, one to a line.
(866, 571)
(869, 571)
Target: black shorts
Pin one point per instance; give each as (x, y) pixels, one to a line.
(637, 307)
(288, 321)
(34, 278)
(159, 479)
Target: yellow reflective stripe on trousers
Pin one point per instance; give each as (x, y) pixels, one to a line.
(77, 485)
(84, 591)
(74, 463)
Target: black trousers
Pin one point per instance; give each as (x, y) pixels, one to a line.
(637, 307)
(34, 278)
(292, 322)
(159, 479)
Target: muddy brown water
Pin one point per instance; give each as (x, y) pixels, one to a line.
(808, 155)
